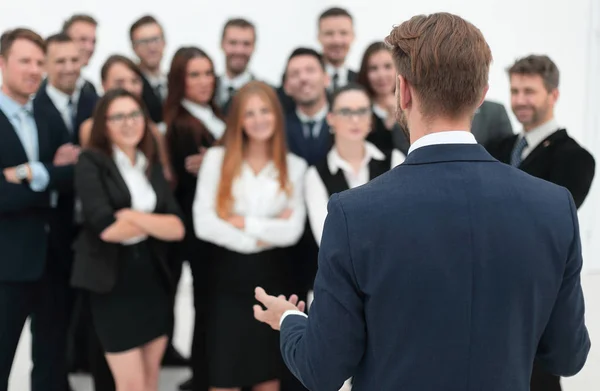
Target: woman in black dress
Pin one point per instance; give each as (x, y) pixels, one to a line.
(249, 203)
(378, 75)
(120, 256)
(193, 125)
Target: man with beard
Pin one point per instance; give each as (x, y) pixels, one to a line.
(237, 42)
(451, 271)
(148, 43)
(336, 34)
(82, 30)
(543, 149)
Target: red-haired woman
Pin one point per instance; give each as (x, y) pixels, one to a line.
(193, 125)
(249, 204)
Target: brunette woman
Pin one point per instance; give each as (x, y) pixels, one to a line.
(193, 125)
(120, 72)
(378, 75)
(249, 204)
(120, 257)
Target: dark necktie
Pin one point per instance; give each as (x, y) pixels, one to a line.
(231, 93)
(517, 152)
(72, 115)
(336, 80)
(158, 91)
(309, 126)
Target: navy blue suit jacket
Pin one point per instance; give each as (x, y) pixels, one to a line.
(300, 146)
(453, 271)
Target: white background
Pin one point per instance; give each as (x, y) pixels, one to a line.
(562, 29)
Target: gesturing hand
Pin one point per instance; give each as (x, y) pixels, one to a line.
(193, 162)
(275, 307)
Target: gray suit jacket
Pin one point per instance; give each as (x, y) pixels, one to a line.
(490, 123)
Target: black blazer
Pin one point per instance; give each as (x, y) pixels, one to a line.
(152, 101)
(558, 159)
(298, 144)
(103, 192)
(25, 214)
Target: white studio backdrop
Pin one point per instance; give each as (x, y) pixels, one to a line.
(513, 28)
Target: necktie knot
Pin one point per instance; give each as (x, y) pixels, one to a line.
(516, 156)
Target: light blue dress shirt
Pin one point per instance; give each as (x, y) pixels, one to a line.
(21, 118)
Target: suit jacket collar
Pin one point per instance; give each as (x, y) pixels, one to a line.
(557, 136)
(441, 153)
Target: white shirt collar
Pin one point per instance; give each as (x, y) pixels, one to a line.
(318, 117)
(205, 115)
(380, 111)
(536, 135)
(237, 82)
(154, 80)
(335, 162)
(446, 137)
(342, 73)
(80, 83)
(122, 160)
(60, 99)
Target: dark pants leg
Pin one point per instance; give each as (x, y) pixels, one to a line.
(543, 381)
(199, 359)
(16, 303)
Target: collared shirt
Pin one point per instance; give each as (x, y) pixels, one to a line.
(205, 115)
(536, 135)
(143, 197)
(225, 83)
(22, 120)
(446, 137)
(316, 194)
(158, 84)
(342, 75)
(318, 119)
(61, 102)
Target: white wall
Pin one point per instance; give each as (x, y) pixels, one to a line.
(513, 28)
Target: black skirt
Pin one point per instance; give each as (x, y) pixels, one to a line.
(241, 350)
(138, 309)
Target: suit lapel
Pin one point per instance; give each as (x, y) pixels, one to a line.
(45, 152)
(11, 141)
(541, 148)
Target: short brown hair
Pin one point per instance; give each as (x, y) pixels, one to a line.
(78, 18)
(119, 59)
(144, 20)
(445, 59)
(238, 22)
(334, 11)
(8, 38)
(537, 65)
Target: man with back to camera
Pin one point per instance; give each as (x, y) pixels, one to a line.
(543, 149)
(450, 272)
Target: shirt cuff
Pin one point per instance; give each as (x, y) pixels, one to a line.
(39, 177)
(291, 312)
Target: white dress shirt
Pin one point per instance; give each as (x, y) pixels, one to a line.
(536, 135)
(205, 115)
(447, 137)
(258, 198)
(318, 119)
(316, 194)
(61, 102)
(143, 197)
(236, 83)
(342, 75)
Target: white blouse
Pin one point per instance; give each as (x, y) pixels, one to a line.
(316, 193)
(143, 197)
(258, 198)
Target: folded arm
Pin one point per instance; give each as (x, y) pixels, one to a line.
(325, 349)
(565, 343)
(15, 198)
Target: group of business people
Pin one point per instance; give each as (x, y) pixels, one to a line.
(226, 173)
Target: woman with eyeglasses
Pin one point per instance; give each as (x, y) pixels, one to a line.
(352, 161)
(129, 215)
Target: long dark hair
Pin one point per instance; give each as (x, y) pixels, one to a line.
(99, 139)
(173, 112)
(363, 74)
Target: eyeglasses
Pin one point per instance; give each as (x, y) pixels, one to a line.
(346, 113)
(121, 118)
(148, 41)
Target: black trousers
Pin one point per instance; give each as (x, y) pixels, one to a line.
(45, 301)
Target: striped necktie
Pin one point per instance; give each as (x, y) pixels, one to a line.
(517, 152)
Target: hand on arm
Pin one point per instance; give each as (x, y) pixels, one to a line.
(193, 162)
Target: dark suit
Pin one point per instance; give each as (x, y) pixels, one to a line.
(491, 123)
(313, 151)
(153, 102)
(450, 272)
(558, 159)
(32, 279)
